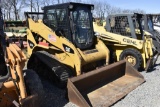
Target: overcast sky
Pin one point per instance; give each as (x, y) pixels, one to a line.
(149, 6)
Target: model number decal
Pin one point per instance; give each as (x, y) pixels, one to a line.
(68, 49)
(129, 41)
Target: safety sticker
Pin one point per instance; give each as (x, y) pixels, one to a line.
(52, 38)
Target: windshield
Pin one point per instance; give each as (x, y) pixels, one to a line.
(149, 24)
(82, 27)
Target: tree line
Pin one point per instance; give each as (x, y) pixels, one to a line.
(13, 9)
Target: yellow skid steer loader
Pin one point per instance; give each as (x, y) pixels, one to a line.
(124, 36)
(62, 45)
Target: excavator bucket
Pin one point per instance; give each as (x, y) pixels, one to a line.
(105, 86)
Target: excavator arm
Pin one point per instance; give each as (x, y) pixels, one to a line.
(12, 83)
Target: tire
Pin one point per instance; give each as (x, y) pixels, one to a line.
(135, 56)
(33, 87)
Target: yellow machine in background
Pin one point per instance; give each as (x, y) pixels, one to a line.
(125, 41)
(62, 45)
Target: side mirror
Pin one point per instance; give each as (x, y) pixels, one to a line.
(59, 32)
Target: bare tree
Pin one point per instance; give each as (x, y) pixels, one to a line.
(30, 3)
(17, 6)
(37, 5)
(102, 8)
(34, 5)
(126, 11)
(139, 11)
(7, 8)
(77, 1)
(47, 2)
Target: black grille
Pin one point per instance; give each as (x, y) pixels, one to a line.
(119, 25)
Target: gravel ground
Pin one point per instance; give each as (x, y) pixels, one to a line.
(146, 95)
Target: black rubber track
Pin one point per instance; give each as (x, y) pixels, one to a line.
(50, 68)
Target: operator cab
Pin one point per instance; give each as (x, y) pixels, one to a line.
(147, 23)
(126, 25)
(75, 21)
(148, 20)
